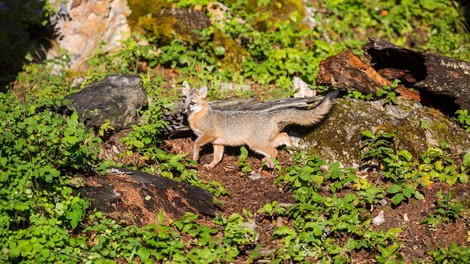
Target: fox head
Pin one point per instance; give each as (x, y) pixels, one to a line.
(193, 99)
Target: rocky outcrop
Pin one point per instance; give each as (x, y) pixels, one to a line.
(116, 98)
(83, 25)
(338, 137)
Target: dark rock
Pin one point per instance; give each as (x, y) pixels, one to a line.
(116, 98)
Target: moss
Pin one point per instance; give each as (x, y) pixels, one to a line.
(338, 137)
(234, 53)
(273, 11)
(141, 8)
(177, 23)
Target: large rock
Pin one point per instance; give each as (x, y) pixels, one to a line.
(338, 137)
(116, 98)
(83, 25)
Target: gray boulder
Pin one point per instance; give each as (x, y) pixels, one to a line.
(116, 98)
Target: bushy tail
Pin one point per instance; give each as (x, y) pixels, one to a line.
(308, 116)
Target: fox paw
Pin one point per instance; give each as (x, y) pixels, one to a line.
(269, 163)
(209, 166)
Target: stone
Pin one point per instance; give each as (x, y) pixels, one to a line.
(83, 25)
(117, 98)
(338, 136)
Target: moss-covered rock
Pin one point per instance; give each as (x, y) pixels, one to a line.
(234, 53)
(164, 23)
(338, 137)
(142, 8)
(178, 23)
(292, 11)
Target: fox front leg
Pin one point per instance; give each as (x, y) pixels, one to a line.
(196, 152)
(199, 142)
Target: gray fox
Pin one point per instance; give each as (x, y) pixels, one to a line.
(259, 130)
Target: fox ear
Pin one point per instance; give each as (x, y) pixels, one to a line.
(186, 88)
(203, 91)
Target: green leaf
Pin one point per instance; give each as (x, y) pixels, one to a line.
(466, 159)
(74, 116)
(394, 231)
(419, 196)
(368, 134)
(463, 177)
(394, 188)
(138, 144)
(9, 136)
(388, 251)
(219, 50)
(405, 154)
(451, 179)
(71, 139)
(438, 165)
(397, 198)
(283, 231)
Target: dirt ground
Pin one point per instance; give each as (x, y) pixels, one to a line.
(251, 194)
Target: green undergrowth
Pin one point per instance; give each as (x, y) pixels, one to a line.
(43, 146)
(331, 219)
(249, 43)
(40, 148)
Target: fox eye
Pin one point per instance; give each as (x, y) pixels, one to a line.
(192, 103)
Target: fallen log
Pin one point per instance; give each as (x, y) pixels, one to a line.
(144, 195)
(429, 74)
(433, 73)
(348, 71)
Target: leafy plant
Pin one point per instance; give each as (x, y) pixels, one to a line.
(377, 146)
(358, 95)
(320, 221)
(463, 118)
(243, 164)
(445, 211)
(388, 93)
(305, 171)
(452, 254)
(398, 167)
(40, 149)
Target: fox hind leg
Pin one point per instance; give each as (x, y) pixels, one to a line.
(268, 152)
(282, 139)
